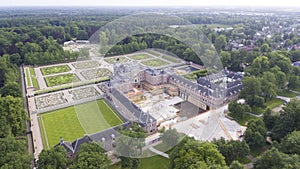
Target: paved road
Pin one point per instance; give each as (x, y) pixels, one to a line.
(159, 152)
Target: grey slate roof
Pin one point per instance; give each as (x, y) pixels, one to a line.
(141, 117)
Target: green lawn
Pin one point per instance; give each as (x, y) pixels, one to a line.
(155, 162)
(154, 62)
(61, 79)
(274, 103)
(242, 121)
(287, 93)
(55, 69)
(75, 121)
(60, 123)
(170, 58)
(153, 52)
(140, 57)
(33, 78)
(28, 77)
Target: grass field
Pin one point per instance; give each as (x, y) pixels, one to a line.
(155, 162)
(61, 79)
(33, 78)
(286, 93)
(73, 122)
(154, 63)
(140, 57)
(55, 69)
(170, 58)
(28, 78)
(274, 103)
(153, 52)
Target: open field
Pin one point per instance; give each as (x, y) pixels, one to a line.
(61, 79)
(33, 78)
(60, 123)
(55, 69)
(75, 121)
(28, 78)
(112, 60)
(140, 56)
(154, 63)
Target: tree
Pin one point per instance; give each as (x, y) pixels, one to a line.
(12, 116)
(288, 120)
(194, 154)
(265, 48)
(226, 59)
(269, 119)
(238, 109)
(294, 82)
(232, 150)
(277, 160)
(129, 145)
(53, 158)
(220, 42)
(170, 137)
(236, 165)
(91, 155)
(252, 88)
(13, 153)
(290, 144)
(256, 133)
(268, 82)
(259, 65)
(11, 89)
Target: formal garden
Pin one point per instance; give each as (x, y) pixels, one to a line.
(140, 56)
(86, 65)
(154, 63)
(61, 79)
(55, 69)
(96, 73)
(113, 60)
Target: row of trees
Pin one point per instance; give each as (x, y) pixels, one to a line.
(90, 155)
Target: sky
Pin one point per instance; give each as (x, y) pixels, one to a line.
(194, 3)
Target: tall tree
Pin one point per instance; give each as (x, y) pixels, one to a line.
(194, 154)
(170, 137)
(92, 156)
(129, 145)
(53, 158)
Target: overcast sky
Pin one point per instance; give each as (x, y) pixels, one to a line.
(277, 3)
